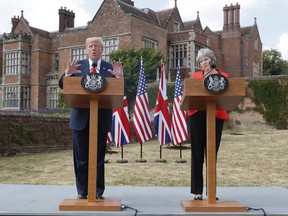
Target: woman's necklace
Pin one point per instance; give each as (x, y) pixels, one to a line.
(213, 71)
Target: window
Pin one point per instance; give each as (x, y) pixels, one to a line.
(79, 53)
(176, 26)
(24, 63)
(110, 45)
(178, 52)
(24, 96)
(197, 48)
(15, 94)
(56, 62)
(150, 43)
(11, 97)
(11, 63)
(53, 97)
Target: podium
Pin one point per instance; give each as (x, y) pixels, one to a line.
(195, 96)
(77, 97)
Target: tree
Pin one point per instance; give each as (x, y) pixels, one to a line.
(131, 60)
(273, 64)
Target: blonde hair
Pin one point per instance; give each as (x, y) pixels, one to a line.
(92, 39)
(206, 52)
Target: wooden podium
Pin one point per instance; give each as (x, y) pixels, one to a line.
(195, 96)
(77, 97)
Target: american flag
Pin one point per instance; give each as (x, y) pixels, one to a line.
(162, 116)
(141, 115)
(121, 125)
(178, 125)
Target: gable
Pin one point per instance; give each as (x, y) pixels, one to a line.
(22, 26)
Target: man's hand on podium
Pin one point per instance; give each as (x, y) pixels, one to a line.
(72, 68)
(117, 69)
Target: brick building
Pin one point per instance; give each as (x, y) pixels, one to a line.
(32, 59)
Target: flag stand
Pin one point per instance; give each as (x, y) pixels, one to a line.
(122, 160)
(181, 160)
(161, 160)
(141, 160)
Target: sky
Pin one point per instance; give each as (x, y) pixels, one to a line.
(271, 16)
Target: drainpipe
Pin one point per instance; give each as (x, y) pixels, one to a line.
(241, 58)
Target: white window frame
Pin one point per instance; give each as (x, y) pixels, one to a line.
(110, 45)
(178, 52)
(78, 53)
(176, 26)
(150, 43)
(11, 97)
(11, 63)
(53, 97)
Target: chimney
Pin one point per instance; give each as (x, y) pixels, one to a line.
(237, 16)
(66, 19)
(14, 21)
(231, 18)
(225, 11)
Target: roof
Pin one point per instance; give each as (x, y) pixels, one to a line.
(39, 31)
(164, 16)
(248, 30)
(144, 14)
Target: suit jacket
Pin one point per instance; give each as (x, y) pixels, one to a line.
(80, 117)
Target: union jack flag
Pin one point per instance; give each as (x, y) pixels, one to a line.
(121, 125)
(178, 124)
(162, 122)
(141, 115)
(109, 137)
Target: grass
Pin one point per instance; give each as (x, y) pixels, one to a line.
(246, 158)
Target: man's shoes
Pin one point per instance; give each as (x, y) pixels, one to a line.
(198, 197)
(80, 196)
(100, 197)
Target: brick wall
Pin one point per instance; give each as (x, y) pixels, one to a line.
(23, 133)
(27, 133)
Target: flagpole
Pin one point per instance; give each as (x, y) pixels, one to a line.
(181, 160)
(161, 160)
(179, 125)
(122, 160)
(162, 120)
(141, 160)
(141, 116)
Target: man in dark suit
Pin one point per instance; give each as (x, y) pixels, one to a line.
(79, 120)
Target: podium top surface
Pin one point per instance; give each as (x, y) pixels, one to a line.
(195, 96)
(78, 97)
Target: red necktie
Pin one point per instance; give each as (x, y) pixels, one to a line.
(93, 70)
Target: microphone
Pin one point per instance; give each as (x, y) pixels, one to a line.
(94, 64)
(212, 64)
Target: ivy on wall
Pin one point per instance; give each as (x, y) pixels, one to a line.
(271, 99)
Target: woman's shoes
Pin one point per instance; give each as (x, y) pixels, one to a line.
(198, 197)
